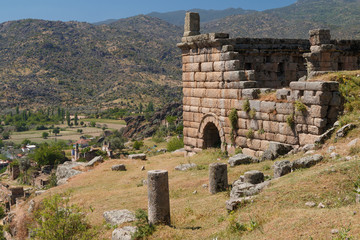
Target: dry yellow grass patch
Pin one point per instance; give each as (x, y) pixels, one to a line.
(280, 209)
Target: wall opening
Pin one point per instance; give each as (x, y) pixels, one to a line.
(211, 136)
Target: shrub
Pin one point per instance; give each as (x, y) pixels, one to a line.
(233, 117)
(138, 144)
(92, 124)
(252, 113)
(246, 105)
(6, 135)
(354, 150)
(174, 144)
(45, 135)
(2, 212)
(290, 120)
(250, 134)
(300, 107)
(48, 155)
(57, 219)
(143, 228)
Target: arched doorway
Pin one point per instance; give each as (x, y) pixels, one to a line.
(211, 136)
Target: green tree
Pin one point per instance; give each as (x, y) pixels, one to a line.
(25, 142)
(68, 118)
(45, 135)
(48, 155)
(140, 108)
(92, 124)
(57, 219)
(76, 119)
(150, 107)
(56, 131)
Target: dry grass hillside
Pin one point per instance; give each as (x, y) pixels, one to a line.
(278, 212)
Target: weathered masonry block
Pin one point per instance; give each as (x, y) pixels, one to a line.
(268, 83)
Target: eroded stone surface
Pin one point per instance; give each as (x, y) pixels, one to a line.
(116, 217)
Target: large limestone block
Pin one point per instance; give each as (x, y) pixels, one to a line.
(228, 56)
(207, 67)
(284, 108)
(267, 107)
(188, 76)
(219, 66)
(232, 65)
(318, 111)
(235, 76)
(230, 93)
(192, 67)
(214, 76)
(198, 92)
(200, 76)
(307, 139)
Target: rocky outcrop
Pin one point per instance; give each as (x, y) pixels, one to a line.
(65, 171)
(138, 127)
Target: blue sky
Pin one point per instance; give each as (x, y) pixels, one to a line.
(99, 10)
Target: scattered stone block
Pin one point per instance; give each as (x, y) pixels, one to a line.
(184, 167)
(282, 168)
(37, 193)
(233, 203)
(310, 204)
(275, 150)
(158, 197)
(344, 130)
(354, 142)
(334, 155)
(308, 147)
(218, 180)
(325, 136)
(123, 233)
(119, 167)
(116, 217)
(95, 161)
(240, 159)
(140, 156)
(253, 177)
(306, 162)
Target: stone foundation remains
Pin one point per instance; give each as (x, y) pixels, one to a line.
(266, 81)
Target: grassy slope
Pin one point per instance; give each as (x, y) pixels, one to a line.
(280, 209)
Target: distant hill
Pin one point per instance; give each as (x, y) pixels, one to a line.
(133, 60)
(177, 17)
(342, 17)
(81, 65)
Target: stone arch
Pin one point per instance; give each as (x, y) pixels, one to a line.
(211, 132)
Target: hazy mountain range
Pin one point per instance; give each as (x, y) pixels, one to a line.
(128, 61)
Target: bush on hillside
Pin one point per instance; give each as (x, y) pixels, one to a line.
(48, 155)
(57, 219)
(174, 144)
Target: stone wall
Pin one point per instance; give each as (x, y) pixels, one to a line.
(222, 74)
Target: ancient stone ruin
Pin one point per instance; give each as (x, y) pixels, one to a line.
(267, 82)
